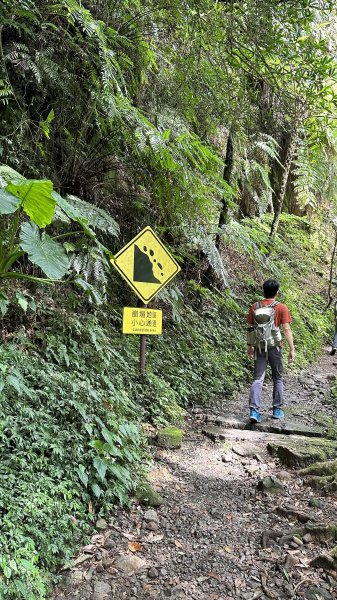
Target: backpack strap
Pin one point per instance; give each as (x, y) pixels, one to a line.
(272, 305)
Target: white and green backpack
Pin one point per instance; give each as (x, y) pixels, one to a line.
(265, 334)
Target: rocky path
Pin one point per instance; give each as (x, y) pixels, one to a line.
(235, 523)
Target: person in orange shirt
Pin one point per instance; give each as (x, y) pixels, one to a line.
(271, 355)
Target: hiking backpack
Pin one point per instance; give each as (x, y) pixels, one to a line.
(265, 333)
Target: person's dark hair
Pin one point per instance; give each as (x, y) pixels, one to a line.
(270, 288)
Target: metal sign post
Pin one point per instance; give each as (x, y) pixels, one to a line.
(142, 350)
(142, 354)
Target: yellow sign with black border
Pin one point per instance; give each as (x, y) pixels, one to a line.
(142, 321)
(146, 265)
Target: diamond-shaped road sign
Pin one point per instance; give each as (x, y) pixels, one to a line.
(146, 265)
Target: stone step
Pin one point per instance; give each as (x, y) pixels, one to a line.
(288, 427)
(269, 425)
(217, 434)
(232, 422)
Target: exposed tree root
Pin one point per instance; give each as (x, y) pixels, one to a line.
(322, 476)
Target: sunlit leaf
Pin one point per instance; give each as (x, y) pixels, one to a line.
(36, 198)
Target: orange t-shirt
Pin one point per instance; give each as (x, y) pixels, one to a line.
(282, 314)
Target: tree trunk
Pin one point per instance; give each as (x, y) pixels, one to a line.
(227, 174)
(287, 156)
(332, 264)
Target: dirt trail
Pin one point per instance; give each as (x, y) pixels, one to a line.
(209, 538)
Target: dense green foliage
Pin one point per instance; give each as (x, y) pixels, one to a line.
(214, 122)
(69, 435)
(132, 104)
(72, 401)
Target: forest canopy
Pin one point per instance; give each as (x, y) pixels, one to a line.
(192, 113)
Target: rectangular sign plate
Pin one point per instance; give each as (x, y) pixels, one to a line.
(142, 321)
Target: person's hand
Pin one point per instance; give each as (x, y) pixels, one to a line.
(291, 356)
(250, 351)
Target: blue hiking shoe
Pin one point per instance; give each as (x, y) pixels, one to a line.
(255, 416)
(278, 413)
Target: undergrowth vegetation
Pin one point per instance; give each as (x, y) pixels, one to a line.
(117, 115)
(72, 402)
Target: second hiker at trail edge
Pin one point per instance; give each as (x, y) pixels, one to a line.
(266, 319)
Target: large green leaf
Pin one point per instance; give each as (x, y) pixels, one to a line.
(101, 465)
(36, 198)
(8, 174)
(8, 202)
(43, 251)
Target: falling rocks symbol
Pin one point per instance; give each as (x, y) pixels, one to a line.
(143, 267)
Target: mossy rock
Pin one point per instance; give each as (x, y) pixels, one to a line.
(316, 503)
(322, 531)
(328, 446)
(145, 494)
(297, 455)
(321, 468)
(170, 437)
(270, 485)
(327, 484)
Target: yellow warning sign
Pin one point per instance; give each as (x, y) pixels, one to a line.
(142, 321)
(146, 264)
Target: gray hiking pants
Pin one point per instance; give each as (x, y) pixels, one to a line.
(274, 358)
(334, 342)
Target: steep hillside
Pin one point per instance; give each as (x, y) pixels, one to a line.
(73, 403)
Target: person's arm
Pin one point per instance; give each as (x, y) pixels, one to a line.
(289, 337)
(250, 328)
(250, 350)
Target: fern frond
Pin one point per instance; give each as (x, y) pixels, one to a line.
(268, 145)
(239, 237)
(213, 256)
(315, 171)
(202, 242)
(91, 267)
(96, 217)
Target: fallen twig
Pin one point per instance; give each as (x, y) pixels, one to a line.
(128, 536)
(77, 561)
(298, 585)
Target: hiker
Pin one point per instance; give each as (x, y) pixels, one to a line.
(264, 341)
(334, 341)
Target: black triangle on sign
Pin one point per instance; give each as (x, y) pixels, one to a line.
(143, 267)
